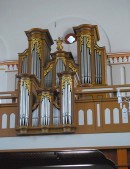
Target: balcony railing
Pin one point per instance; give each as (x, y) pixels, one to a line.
(8, 113)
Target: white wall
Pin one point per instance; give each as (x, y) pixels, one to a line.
(16, 16)
(116, 74)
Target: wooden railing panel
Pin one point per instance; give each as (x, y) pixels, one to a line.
(8, 109)
(100, 124)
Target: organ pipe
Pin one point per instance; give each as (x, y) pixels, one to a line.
(98, 68)
(85, 62)
(45, 111)
(35, 63)
(56, 116)
(24, 103)
(48, 79)
(59, 68)
(24, 65)
(66, 104)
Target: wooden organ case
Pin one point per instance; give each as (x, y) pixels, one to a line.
(50, 84)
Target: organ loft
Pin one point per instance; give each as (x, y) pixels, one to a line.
(58, 93)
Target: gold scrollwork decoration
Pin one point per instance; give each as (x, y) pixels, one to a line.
(68, 80)
(99, 52)
(47, 70)
(72, 67)
(47, 95)
(38, 43)
(88, 41)
(24, 56)
(62, 58)
(27, 83)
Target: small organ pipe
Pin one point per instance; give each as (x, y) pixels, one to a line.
(69, 102)
(100, 69)
(82, 63)
(89, 66)
(85, 62)
(63, 100)
(32, 69)
(95, 66)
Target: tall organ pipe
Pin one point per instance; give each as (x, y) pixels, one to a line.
(45, 111)
(85, 61)
(24, 105)
(88, 66)
(82, 64)
(66, 104)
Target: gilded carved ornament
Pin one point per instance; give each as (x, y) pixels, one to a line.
(88, 41)
(47, 95)
(72, 67)
(47, 70)
(24, 56)
(62, 58)
(38, 43)
(27, 84)
(68, 80)
(59, 42)
(98, 50)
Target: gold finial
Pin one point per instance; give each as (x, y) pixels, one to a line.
(59, 42)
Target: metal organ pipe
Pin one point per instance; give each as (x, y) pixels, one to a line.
(34, 71)
(24, 65)
(24, 105)
(42, 112)
(56, 116)
(88, 66)
(69, 105)
(82, 64)
(98, 65)
(45, 111)
(21, 105)
(59, 68)
(35, 117)
(85, 62)
(98, 68)
(66, 105)
(27, 108)
(63, 106)
(35, 63)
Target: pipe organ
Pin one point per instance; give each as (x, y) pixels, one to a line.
(49, 82)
